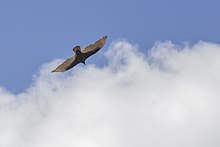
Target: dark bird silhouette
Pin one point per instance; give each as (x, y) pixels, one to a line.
(81, 55)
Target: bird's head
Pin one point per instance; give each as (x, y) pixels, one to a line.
(78, 52)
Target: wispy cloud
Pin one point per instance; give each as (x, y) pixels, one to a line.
(168, 97)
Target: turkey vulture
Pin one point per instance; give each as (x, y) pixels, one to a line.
(81, 55)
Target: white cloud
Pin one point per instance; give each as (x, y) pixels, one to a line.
(169, 97)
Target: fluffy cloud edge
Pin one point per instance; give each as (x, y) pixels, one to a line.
(166, 97)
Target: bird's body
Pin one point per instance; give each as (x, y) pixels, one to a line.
(81, 55)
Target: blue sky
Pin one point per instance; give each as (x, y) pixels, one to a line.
(36, 32)
(145, 87)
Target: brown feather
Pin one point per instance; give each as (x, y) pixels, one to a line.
(93, 48)
(81, 56)
(67, 64)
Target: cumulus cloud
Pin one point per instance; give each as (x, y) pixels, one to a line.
(167, 97)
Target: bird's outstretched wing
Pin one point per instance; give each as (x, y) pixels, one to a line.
(67, 64)
(86, 52)
(93, 48)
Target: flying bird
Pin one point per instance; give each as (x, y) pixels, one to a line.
(81, 55)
